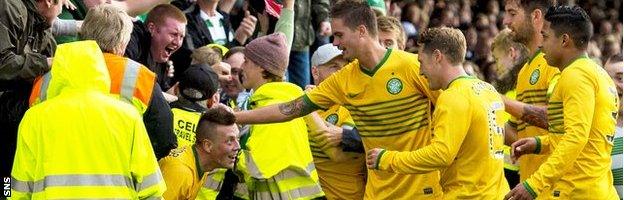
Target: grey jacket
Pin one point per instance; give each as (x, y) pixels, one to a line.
(25, 43)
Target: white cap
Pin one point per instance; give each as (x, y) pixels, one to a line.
(324, 54)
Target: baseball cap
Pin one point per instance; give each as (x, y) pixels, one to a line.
(324, 54)
(199, 83)
(379, 5)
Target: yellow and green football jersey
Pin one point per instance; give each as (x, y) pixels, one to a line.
(581, 118)
(467, 148)
(391, 107)
(345, 179)
(531, 87)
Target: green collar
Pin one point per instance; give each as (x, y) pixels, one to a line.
(199, 170)
(577, 58)
(381, 63)
(457, 78)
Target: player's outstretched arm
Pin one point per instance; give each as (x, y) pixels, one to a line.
(275, 113)
(531, 114)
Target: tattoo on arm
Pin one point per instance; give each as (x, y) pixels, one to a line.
(295, 108)
(536, 116)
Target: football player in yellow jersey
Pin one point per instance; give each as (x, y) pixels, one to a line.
(459, 141)
(510, 57)
(196, 171)
(525, 19)
(340, 179)
(389, 100)
(581, 118)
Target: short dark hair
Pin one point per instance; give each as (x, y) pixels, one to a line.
(355, 13)
(449, 41)
(233, 50)
(161, 12)
(209, 120)
(573, 21)
(530, 5)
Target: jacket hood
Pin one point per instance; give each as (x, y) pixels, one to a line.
(79, 66)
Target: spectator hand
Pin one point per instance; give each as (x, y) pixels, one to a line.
(309, 88)
(325, 29)
(521, 147)
(173, 90)
(170, 69)
(371, 158)
(68, 4)
(246, 28)
(519, 193)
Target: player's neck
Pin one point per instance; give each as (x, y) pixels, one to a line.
(372, 56)
(534, 44)
(204, 162)
(570, 57)
(452, 73)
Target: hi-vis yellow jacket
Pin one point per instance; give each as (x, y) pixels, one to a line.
(82, 142)
(276, 160)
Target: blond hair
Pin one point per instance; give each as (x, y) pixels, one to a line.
(504, 40)
(449, 41)
(109, 26)
(392, 24)
(207, 55)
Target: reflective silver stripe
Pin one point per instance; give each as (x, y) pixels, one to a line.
(149, 181)
(45, 83)
(251, 165)
(73, 180)
(130, 77)
(301, 192)
(241, 191)
(290, 172)
(211, 183)
(21, 186)
(295, 172)
(154, 198)
(309, 191)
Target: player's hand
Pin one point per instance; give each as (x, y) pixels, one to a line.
(330, 137)
(371, 158)
(519, 193)
(522, 146)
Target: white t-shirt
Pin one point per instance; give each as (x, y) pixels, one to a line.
(216, 27)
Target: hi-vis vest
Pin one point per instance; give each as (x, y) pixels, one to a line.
(275, 159)
(185, 125)
(212, 184)
(130, 80)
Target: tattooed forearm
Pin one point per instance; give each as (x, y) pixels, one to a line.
(295, 108)
(536, 116)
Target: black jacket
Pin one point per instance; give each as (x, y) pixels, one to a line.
(138, 49)
(25, 44)
(158, 120)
